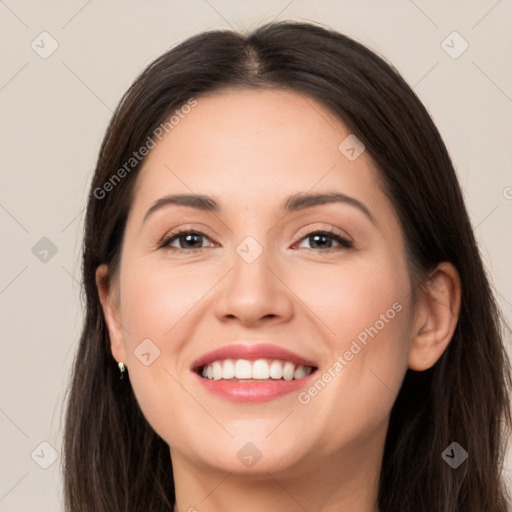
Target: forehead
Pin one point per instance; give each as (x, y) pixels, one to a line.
(255, 145)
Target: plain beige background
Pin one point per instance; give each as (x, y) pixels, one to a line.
(55, 108)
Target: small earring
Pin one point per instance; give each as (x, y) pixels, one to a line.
(122, 369)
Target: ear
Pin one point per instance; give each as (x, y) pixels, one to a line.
(110, 303)
(437, 314)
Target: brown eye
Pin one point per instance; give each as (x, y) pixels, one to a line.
(187, 240)
(323, 239)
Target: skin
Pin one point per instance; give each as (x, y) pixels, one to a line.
(250, 150)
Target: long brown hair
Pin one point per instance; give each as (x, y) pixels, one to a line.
(113, 460)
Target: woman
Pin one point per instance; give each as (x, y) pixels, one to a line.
(225, 362)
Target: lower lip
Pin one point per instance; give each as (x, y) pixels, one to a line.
(253, 391)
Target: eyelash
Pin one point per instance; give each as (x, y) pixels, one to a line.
(345, 244)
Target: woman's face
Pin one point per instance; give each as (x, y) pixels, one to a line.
(260, 269)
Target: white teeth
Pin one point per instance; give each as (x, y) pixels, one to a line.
(228, 370)
(243, 369)
(299, 372)
(217, 370)
(276, 370)
(260, 369)
(288, 371)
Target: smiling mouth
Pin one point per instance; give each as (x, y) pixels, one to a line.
(258, 370)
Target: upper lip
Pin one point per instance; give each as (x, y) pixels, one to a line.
(251, 352)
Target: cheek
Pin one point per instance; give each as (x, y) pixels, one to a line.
(355, 299)
(157, 300)
(159, 303)
(367, 310)
(375, 317)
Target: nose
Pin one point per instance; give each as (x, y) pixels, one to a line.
(254, 293)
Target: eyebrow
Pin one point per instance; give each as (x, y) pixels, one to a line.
(296, 202)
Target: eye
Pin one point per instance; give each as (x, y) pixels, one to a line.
(321, 239)
(191, 240)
